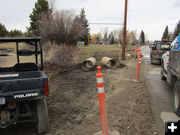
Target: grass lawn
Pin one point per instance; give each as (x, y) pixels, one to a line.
(11, 46)
(84, 53)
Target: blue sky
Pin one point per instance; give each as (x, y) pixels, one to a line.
(149, 15)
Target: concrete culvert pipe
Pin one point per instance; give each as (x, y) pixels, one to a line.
(88, 64)
(109, 62)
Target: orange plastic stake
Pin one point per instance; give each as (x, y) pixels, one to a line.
(139, 60)
(102, 102)
(135, 53)
(138, 51)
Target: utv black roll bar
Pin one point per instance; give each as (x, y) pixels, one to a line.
(19, 39)
(29, 40)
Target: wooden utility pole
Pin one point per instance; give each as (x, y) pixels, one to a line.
(88, 52)
(124, 31)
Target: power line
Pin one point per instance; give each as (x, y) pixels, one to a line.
(105, 23)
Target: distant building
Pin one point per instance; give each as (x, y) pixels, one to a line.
(80, 43)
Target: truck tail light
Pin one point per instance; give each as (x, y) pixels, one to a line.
(46, 89)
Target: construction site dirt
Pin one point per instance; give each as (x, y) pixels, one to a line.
(74, 109)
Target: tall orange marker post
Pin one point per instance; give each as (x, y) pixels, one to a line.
(138, 51)
(102, 102)
(135, 52)
(139, 60)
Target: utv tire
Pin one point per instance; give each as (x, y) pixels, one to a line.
(42, 122)
(176, 98)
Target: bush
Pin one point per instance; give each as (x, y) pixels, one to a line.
(61, 28)
(63, 56)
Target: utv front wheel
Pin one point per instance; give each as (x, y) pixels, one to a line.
(42, 122)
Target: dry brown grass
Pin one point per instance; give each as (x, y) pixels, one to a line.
(64, 56)
(93, 49)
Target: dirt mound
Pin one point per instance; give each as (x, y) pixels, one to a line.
(53, 69)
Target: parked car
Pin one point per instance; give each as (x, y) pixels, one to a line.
(24, 86)
(157, 50)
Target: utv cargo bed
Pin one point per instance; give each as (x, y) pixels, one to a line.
(24, 86)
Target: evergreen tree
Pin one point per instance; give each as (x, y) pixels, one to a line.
(170, 36)
(84, 21)
(142, 38)
(3, 31)
(166, 33)
(112, 40)
(41, 7)
(105, 37)
(177, 30)
(15, 33)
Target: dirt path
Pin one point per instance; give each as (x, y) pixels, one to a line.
(73, 104)
(74, 109)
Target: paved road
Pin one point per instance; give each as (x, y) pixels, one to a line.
(160, 93)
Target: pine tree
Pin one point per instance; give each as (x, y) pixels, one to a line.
(41, 6)
(112, 40)
(105, 37)
(15, 33)
(3, 31)
(177, 30)
(84, 21)
(142, 38)
(166, 33)
(170, 36)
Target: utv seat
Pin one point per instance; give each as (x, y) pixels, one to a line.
(25, 67)
(8, 69)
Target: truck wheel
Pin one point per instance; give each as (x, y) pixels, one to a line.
(176, 96)
(162, 75)
(151, 61)
(160, 62)
(172, 82)
(162, 69)
(42, 122)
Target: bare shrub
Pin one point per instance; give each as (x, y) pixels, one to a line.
(62, 27)
(63, 56)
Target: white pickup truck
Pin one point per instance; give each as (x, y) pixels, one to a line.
(164, 64)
